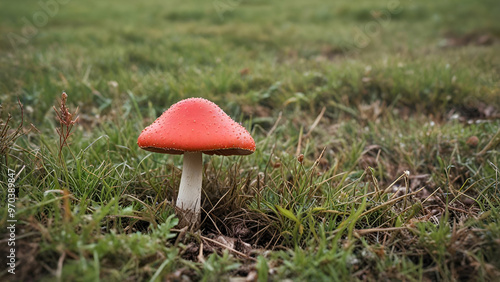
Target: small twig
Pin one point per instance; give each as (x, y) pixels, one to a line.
(334, 212)
(390, 202)
(316, 122)
(200, 256)
(60, 266)
(330, 178)
(275, 125)
(493, 142)
(228, 248)
(394, 182)
(372, 230)
(432, 194)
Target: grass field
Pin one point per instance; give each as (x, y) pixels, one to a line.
(377, 125)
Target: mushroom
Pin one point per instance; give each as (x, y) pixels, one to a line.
(191, 127)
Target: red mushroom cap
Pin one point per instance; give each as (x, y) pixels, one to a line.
(194, 125)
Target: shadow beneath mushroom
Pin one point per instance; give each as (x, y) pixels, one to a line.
(188, 218)
(227, 222)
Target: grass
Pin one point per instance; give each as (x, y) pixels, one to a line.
(341, 108)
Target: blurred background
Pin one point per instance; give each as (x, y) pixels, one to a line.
(351, 104)
(250, 55)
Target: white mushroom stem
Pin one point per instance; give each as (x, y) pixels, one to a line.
(189, 197)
